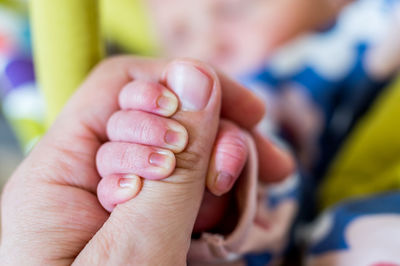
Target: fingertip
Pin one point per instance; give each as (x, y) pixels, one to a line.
(222, 183)
(275, 163)
(103, 195)
(163, 163)
(229, 157)
(116, 190)
(167, 103)
(129, 187)
(148, 96)
(176, 138)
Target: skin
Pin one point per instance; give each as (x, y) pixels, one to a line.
(59, 220)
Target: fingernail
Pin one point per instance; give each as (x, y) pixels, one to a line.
(176, 137)
(160, 159)
(130, 186)
(167, 103)
(192, 86)
(224, 182)
(130, 181)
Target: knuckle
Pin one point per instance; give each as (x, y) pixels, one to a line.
(231, 158)
(102, 156)
(145, 129)
(124, 158)
(233, 147)
(110, 63)
(188, 160)
(127, 158)
(113, 124)
(143, 84)
(134, 86)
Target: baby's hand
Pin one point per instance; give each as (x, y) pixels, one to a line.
(142, 144)
(143, 121)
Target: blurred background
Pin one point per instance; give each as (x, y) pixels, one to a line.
(10, 153)
(13, 42)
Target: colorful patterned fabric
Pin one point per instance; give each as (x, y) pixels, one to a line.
(331, 69)
(359, 232)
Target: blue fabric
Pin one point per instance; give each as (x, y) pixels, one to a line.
(344, 214)
(293, 193)
(258, 259)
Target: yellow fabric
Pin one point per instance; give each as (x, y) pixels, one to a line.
(67, 45)
(369, 162)
(127, 23)
(28, 131)
(17, 5)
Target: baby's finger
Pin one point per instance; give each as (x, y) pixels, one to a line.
(118, 158)
(114, 190)
(148, 96)
(147, 129)
(228, 158)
